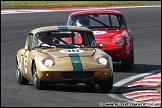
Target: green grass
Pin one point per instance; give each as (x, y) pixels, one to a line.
(158, 88)
(70, 4)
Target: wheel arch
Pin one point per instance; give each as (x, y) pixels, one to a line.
(18, 62)
(33, 61)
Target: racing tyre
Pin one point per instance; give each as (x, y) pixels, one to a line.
(21, 80)
(128, 62)
(90, 85)
(39, 84)
(106, 85)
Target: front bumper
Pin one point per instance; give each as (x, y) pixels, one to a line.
(118, 55)
(60, 77)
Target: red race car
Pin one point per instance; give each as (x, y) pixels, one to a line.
(110, 29)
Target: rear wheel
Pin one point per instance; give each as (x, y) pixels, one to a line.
(39, 84)
(20, 79)
(106, 85)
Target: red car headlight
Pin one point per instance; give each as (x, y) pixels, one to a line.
(119, 41)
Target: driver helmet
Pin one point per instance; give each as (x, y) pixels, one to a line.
(83, 21)
(45, 38)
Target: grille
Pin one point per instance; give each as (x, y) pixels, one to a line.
(76, 75)
(107, 52)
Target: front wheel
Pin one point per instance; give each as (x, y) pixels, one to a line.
(90, 84)
(106, 85)
(39, 84)
(20, 79)
(129, 61)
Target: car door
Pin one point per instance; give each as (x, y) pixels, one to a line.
(27, 54)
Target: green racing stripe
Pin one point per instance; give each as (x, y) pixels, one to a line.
(75, 59)
(76, 62)
(62, 28)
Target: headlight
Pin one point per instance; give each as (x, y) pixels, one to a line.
(101, 60)
(48, 62)
(119, 41)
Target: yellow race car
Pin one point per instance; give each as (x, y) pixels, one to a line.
(63, 54)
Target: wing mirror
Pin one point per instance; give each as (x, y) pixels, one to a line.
(100, 45)
(26, 48)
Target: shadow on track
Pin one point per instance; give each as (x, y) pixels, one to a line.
(73, 88)
(137, 68)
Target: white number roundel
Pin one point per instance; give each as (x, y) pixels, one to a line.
(99, 32)
(71, 51)
(25, 61)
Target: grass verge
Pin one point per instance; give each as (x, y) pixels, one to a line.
(158, 88)
(70, 4)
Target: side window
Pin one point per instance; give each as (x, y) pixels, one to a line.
(30, 41)
(121, 20)
(35, 40)
(71, 21)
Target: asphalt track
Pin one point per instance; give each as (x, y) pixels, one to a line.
(145, 24)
